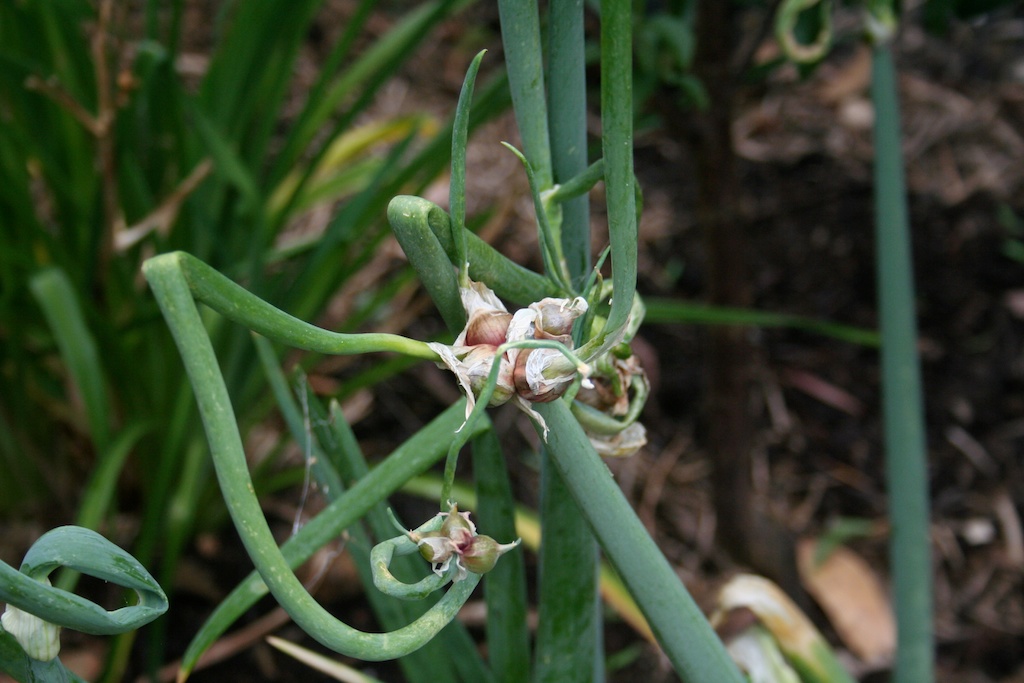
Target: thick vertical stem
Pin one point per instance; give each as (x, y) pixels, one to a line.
(688, 640)
(905, 449)
(568, 114)
(568, 639)
(520, 37)
(744, 528)
(568, 629)
(617, 146)
(508, 640)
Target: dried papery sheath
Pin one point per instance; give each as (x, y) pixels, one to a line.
(452, 362)
(621, 445)
(435, 548)
(542, 375)
(479, 297)
(556, 316)
(477, 365)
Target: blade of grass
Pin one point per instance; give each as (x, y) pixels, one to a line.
(364, 77)
(324, 665)
(672, 311)
(100, 490)
(53, 290)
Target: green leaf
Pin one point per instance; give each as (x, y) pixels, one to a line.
(617, 146)
(56, 296)
(674, 311)
(409, 218)
(19, 666)
(457, 186)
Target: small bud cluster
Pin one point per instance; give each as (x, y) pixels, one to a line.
(458, 541)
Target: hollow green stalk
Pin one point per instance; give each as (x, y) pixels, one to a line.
(508, 279)
(245, 308)
(84, 551)
(906, 452)
(170, 283)
(412, 458)
(678, 624)
(617, 146)
(457, 187)
(520, 37)
(570, 643)
(335, 458)
(568, 115)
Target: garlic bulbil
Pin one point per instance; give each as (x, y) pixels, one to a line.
(457, 541)
(528, 375)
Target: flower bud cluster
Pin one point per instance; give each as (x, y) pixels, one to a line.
(458, 541)
(535, 375)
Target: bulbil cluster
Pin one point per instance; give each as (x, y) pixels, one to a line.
(526, 375)
(458, 541)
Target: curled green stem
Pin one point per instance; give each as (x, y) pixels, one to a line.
(786, 25)
(85, 551)
(171, 287)
(508, 279)
(384, 552)
(245, 308)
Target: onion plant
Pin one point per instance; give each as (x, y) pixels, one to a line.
(561, 355)
(906, 458)
(555, 344)
(902, 398)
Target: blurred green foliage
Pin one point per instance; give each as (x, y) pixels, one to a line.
(129, 129)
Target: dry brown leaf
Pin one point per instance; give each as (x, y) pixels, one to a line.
(851, 595)
(847, 80)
